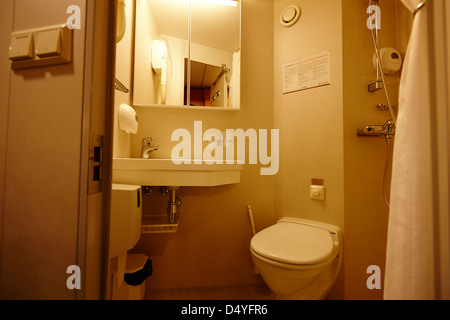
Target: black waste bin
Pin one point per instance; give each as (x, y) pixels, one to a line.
(138, 270)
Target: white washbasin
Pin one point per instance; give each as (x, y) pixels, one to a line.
(164, 172)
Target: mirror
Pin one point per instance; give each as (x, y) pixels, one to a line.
(187, 53)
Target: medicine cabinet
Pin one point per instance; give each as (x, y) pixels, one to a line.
(187, 54)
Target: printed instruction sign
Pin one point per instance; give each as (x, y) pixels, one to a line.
(307, 73)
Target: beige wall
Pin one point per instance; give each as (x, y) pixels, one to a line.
(211, 246)
(48, 220)
(310, 121)
(366, 214)
(39, 239)
(124, 52)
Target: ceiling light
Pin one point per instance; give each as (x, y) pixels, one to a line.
(232, 3)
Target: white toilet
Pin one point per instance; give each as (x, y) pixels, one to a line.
(298, 259)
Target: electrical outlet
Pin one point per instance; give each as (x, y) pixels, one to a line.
(317, 192)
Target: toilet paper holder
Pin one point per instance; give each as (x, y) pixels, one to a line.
(128, 120)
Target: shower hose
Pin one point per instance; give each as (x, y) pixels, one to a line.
(389, 139)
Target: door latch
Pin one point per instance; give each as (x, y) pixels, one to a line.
(95, 164)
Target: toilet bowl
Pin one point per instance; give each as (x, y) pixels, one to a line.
(298, 259)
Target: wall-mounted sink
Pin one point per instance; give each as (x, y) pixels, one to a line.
(164, 172)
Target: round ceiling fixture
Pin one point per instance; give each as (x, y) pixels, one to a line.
(290, 15)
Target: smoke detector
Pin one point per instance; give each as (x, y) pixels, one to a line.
(290, 15)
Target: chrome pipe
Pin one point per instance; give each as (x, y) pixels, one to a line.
(173, 205)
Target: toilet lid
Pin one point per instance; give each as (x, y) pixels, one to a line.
(294, 243)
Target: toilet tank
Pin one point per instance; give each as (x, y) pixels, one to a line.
(126, 218)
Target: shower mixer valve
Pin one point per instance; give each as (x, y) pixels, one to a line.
(387, 130)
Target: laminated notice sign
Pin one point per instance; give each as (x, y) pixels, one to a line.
(307, 73)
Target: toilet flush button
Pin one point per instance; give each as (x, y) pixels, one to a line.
(317, 192)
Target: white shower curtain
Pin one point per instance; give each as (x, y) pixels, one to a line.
(409, 259)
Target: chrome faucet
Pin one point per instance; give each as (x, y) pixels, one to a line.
(147, 148)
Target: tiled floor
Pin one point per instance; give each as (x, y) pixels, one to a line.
(244, 292)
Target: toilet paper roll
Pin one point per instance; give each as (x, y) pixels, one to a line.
(391, 60)
(128, 120)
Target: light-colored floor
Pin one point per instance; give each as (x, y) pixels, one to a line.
(241, 292)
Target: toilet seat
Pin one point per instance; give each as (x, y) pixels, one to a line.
(291, 242)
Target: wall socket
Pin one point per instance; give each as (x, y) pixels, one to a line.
(317, 192)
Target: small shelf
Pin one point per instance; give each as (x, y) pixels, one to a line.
(183, 107)
(158, 224)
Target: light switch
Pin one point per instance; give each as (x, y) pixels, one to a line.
(21, 47)
(317, 192)
(41, 47)
(48, 43)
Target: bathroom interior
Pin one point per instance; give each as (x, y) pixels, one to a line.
(195, 225)
(208, 255)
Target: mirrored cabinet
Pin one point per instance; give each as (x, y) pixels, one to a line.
(187, 54)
